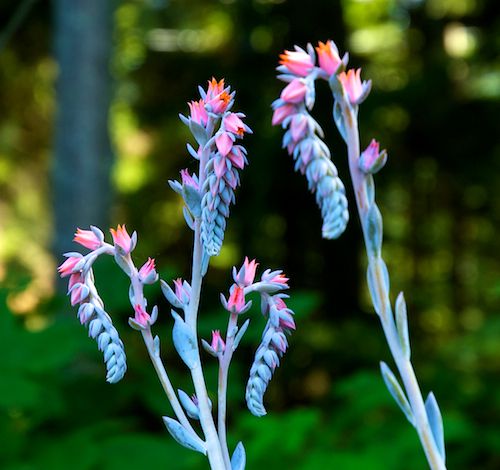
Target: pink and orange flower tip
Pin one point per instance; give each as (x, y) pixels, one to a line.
(355, 89)
(235, 125)
(298, 62)
(87, 238)
(328, 57)
(280, 279)
(122, 239)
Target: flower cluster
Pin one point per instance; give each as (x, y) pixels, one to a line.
(217, 131)
(82, 291)
(302, 139)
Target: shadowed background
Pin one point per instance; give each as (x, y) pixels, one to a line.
(90, 93)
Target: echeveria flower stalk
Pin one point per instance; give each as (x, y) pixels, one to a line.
(207, 195)
(348, 92)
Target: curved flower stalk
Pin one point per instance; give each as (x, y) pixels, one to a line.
(349, 91)
(274, 343)
(303, 136)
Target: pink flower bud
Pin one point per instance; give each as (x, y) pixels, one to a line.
(79, 293)
(371, 160)
(279, 279)
(356, 90)
(87, 238)
(298, 62)
(122, 239)
(294, 92)
(236, 301)
(217, 343)
(188, 180)
(282, 112)
(148, 274)
(68, 266)
(141, 316)
(182, 291)
(328, 57)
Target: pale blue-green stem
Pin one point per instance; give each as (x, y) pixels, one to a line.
(363, 190)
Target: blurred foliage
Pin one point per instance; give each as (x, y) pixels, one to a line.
(436, 88)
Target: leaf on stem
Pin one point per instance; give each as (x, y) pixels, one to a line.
(435, 422)
(238, 460)
(402, 325)
(183, 436)
(188, 404)
(374, 230)
(240, 334)
(185, 342)
(199, 132)
(396, 391)
(338, 118)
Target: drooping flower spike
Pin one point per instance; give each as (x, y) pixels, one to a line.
(303, 136)
(312, 158)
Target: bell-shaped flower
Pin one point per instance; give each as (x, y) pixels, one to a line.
(198, 113)
(224, 143)
(372, 160)
(87, 238)
(68, 267)
(217, 343)
(218, 98)
(294, 92)
(79, 292)
(234, 124)
(236, 300)
(246, 275)
(282, 112)
(122, 239)
(356, 90)
(298, 62)
(328, 57)
(148, 274)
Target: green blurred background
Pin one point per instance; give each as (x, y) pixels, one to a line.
(436, 87)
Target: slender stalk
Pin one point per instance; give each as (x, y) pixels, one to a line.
(214, 451)
(164, 380)
(224, 362)
(404, 365)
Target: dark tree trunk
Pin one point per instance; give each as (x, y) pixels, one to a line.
(83, 153)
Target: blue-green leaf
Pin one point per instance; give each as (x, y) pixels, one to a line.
(396, 391)
(436, 422)
(183, 436)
